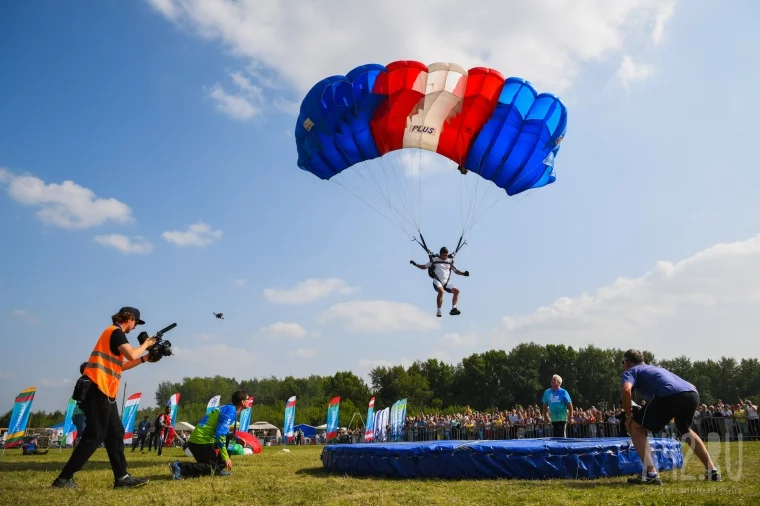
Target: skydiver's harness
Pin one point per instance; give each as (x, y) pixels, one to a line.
(432, 256)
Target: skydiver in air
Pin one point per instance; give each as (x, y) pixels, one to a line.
(219, 315)
(440, 268)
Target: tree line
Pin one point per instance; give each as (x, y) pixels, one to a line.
(492, 380)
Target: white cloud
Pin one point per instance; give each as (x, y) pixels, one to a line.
(455, 340)
(24, 314)
(65, 205)
(198, 234)
(441, 356)
(547, 40)
(243, 104)
(135, 245)
(289, 107)
(239, 282)
(666, 10)
(234, 106)
(309, 290)
(305, 353)
(703, 306)
(379, 316)
(631, 71)
(282, 330)
(206, 338)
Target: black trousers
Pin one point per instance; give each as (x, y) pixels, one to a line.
(103, 425)
(206, 461)
(558, 429)
(139, 440)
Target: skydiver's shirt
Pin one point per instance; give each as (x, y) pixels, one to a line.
(215, 427)
(442, 268)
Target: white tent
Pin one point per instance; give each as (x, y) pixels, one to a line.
(271, 431)
(184, 426)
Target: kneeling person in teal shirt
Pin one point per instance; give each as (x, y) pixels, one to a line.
(208, 441)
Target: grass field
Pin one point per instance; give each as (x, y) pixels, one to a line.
(297, 478)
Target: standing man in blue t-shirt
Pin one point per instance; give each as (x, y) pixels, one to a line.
(559, 405)
(668, 397)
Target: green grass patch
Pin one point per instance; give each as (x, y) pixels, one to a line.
(297, 478)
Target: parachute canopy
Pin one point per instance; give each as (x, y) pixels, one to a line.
(499, 128)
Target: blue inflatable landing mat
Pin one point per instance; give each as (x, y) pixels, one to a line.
(548, 458)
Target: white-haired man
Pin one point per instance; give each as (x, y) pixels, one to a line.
(559, 405)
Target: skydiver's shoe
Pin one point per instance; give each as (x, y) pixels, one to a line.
(645, 480)
(454, 311)
(438, 314)
(63, 483)
(129, 482)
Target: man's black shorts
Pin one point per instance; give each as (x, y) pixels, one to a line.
(658, 412)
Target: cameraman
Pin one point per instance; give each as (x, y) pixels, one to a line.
(111, 356)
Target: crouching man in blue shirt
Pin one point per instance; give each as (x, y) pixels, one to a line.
(668, 397)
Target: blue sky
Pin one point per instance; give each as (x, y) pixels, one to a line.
(147, 159)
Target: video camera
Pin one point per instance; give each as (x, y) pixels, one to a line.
(161, 348)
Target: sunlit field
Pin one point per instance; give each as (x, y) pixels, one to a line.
(297, 477)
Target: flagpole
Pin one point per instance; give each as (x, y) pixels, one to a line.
(123, 395)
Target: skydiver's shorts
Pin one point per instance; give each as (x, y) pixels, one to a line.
(658, 412)
(437, 284)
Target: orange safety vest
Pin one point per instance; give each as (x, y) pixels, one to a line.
(103, 367)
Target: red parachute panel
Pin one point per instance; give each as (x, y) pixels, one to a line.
(389, 121)
(481, 96)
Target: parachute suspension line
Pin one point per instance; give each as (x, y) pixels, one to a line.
(408, 193)
(403, 201)
(398, 225)
(402, 193)
(377, 186)
(356, 192)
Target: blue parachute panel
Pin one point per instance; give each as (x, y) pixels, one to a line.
(551, 458)
(513, 149)
(332, 131)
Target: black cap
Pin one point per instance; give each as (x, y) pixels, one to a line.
(444, 250)
(135, 312)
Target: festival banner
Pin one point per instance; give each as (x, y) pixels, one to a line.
(376, 424)
(68, 426)
(381, 421)
(129, 416)
(333, 410)
(290, 417)
(245, 417)
(369, 432)
(19, 418)
(173, 402)
(213, 403)
(398, 415)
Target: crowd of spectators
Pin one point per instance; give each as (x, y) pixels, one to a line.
(726, 421)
